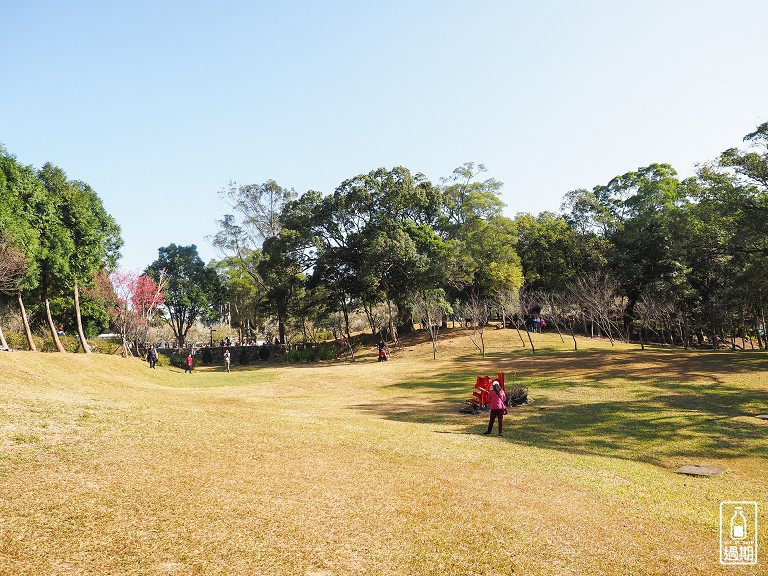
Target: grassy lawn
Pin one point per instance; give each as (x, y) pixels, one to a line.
(108, 467)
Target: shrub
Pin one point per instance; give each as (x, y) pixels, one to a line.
(206, 356)
(17, 340)
(305, 355)
(264, 352)
(70, 343)
(328, 352)
(517, 396)
(163, 360)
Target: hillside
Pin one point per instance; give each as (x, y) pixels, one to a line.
(108, 467)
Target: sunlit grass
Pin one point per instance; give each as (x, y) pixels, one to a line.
(108, 467)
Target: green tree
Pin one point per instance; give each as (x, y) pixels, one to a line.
(57, 244)
(20, 193)
(96, 242)
(243, 295)
(259, 245)
(192, 289)
(375, 240)
(484, 261)
(553, 252)
(732, 208)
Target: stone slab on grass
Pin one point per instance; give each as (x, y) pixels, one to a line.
(763, 416)
(696, 470)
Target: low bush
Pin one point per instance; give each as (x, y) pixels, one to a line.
(517, 396)
(328, 351)
(178, 361)
(305, 355)
(206, 356)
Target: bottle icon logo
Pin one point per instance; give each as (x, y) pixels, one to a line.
(738, 524)
(738, 533)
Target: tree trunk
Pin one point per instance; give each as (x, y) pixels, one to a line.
(52, 327)
(3, 343)
(345, 310)
(533, 348)
(432, 331)
(392, 332)
(27, 330)
(405, 321)
(557, 326)
(83, 343)
(521, 336)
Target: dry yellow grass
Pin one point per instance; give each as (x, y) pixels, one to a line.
(107, 467)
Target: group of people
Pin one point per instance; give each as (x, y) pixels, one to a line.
(497, 396)
(189, 363)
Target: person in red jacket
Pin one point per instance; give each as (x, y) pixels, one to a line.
(497, 400)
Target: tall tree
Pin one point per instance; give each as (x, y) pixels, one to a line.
(21, 198)
(95, 239)
(553, 252)
(191, 289)
(257, 243)
(375, 234)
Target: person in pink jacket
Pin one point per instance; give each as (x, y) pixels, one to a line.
(497, 400)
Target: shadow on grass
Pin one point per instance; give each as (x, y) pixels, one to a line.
(666, 406)
(628, 364)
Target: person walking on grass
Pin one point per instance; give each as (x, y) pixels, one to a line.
(497, 399)
(226, 359)
(189, 364)
(152, 357)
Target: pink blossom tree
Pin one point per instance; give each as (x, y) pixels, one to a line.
(136, 300)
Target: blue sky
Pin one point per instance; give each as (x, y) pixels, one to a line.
(158, 105)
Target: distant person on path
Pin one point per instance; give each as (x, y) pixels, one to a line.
(189, 364)
(152, 357)
(497, 399)
(226, 359)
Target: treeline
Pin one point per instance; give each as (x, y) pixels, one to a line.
(55, 239)
(646, 256)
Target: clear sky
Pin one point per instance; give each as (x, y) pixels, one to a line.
(159, 104)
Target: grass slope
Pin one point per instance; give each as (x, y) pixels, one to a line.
(107, 467)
